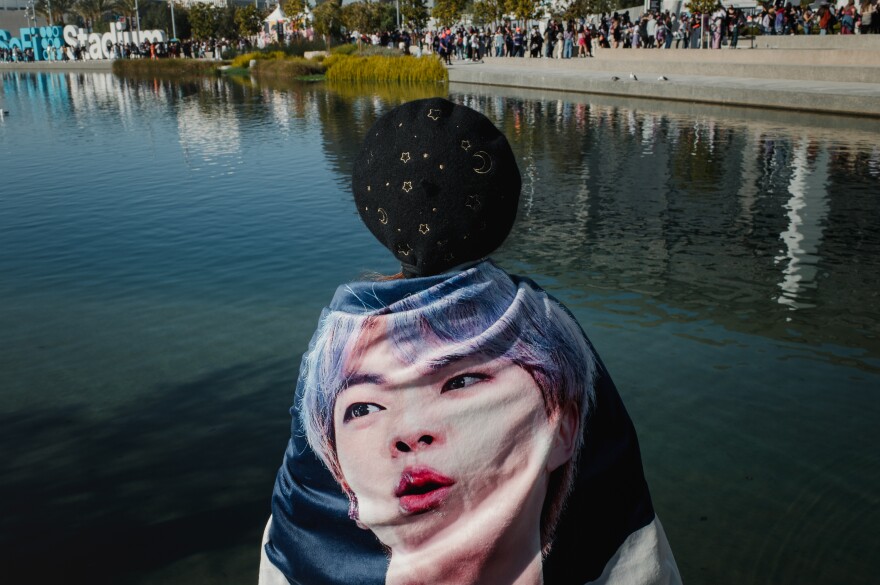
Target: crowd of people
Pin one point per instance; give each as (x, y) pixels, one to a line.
(651, 30)
(561, 40)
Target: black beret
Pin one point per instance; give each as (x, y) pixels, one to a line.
(437, 184)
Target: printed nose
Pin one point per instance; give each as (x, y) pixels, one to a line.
(416, 442)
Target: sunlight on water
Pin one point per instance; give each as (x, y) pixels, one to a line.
(167, 248)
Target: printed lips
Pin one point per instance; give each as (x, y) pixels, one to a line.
(422, 489)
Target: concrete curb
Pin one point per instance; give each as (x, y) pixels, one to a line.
(822, 95)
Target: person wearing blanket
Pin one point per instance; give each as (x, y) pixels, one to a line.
(454, 424)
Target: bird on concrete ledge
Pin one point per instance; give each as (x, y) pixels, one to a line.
(615, 78)
(633, 77)
(662, 78)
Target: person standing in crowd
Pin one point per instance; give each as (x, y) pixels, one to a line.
(717, 26)
(848, 18)
(615, 32)
(870, 19)
(568, 41)
(779, 22)
(446, 47)
(826, 20)
(518, 43)
(661, 32)
(548, 40)
(535, 43)
(808, 19)
(734, 21)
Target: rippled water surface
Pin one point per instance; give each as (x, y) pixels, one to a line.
(166, 247)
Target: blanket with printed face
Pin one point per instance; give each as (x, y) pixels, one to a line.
(459, 428)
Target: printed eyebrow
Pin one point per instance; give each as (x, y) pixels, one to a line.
(442, 362)
(364, 378)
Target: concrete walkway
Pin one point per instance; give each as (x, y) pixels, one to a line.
(845, 82)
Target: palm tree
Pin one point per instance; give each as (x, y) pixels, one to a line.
(93, 9)
(127, 7)
(54, 10)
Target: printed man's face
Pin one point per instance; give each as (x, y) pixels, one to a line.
(424, 448)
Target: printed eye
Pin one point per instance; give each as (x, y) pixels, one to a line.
(463, 381)
(359, 409)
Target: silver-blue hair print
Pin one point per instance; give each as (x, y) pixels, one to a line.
(480, 310)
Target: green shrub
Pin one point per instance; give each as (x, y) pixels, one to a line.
(245, 60)
(291, 67)
(346, 49)
(368, 50)
(333, 59)
(404, 68)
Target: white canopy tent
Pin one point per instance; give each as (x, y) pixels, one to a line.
(276, 16)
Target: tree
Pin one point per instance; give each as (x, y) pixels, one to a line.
(248, 20)
(294, 8)
(205, 20)
(328, 19)
(387, 15)
(525, 9)
(94, 10)
(226, 26)
(360, 16)
(125, 7)
(581, 8)
(59, 9)
(414, 13)
(448, 12)
(488, 11)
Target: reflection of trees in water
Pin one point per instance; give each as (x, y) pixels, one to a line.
(759, 226)
(697, 214)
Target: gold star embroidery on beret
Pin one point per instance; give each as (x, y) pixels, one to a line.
(424, 229)
(407, 186)
(466, 144)
(404, 249)
(434, 114)
(404, 156)
(473, 202)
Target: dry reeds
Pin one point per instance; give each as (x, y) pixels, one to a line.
(291, 67)
(398, 69)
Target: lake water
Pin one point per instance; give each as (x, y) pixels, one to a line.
(166, 247)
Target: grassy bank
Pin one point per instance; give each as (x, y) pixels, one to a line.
(164, 67)
(341, 66)
(384, 68)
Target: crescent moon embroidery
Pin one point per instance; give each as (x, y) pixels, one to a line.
(383, 216)
(486, 161)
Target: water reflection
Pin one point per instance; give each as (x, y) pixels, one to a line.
(159, 281)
